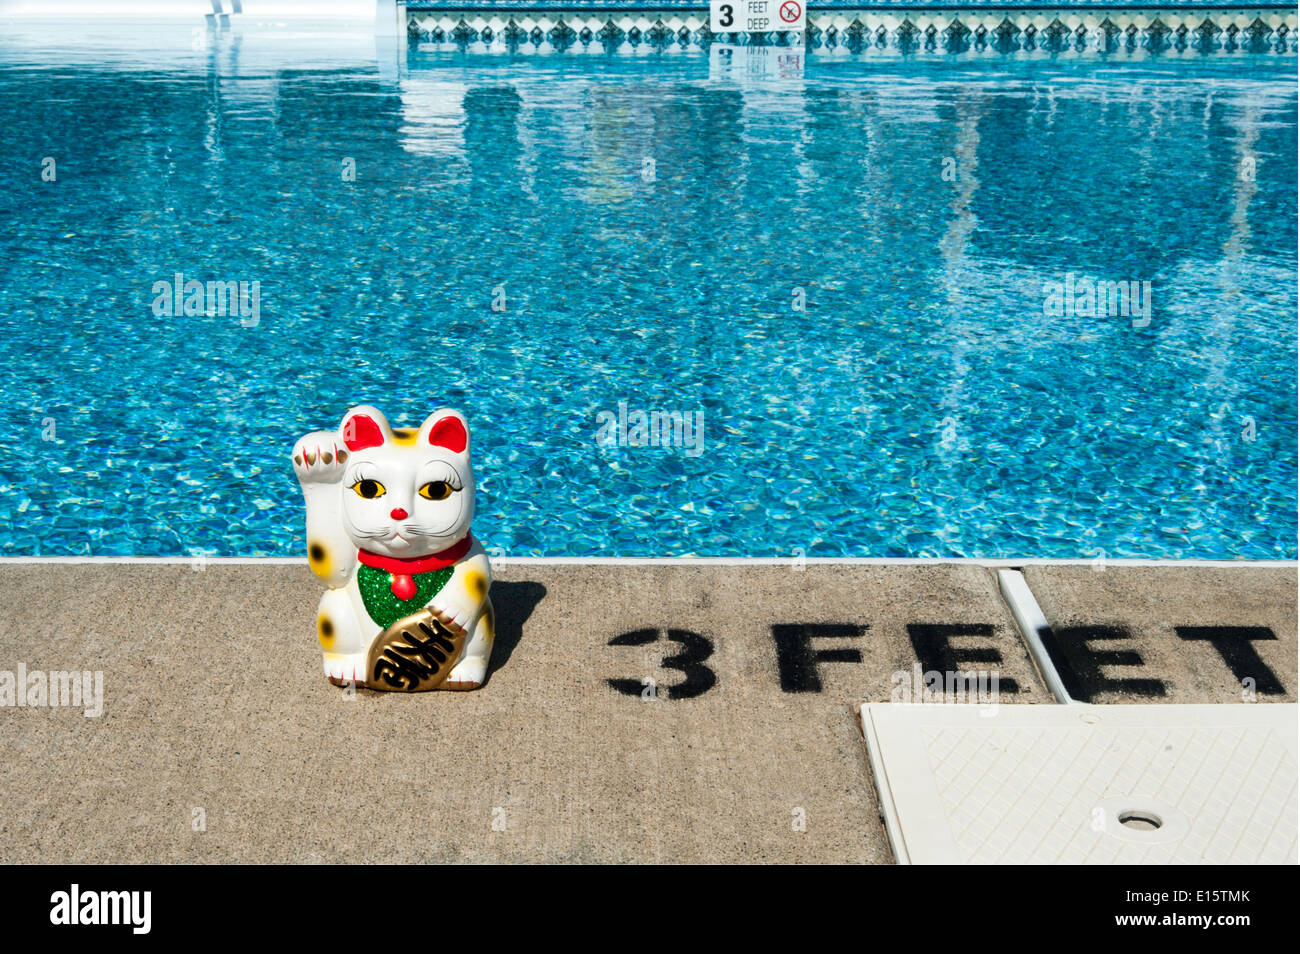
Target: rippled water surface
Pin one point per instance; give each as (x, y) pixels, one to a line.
(645, 224)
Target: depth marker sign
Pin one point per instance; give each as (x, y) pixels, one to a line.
(757, 16)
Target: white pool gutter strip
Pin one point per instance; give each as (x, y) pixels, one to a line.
(692, 561)
(1029, 617)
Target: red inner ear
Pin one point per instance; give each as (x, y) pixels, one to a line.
(449, 432)
(361, 432)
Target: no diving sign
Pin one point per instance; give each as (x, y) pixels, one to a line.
(757, 16)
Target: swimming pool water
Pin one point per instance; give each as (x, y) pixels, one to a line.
(647, 223)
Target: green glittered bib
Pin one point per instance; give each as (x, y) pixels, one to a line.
(383, 605)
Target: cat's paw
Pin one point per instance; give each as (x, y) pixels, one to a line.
(345, 669)
(455, 618)
(467, 674)
(319, 458)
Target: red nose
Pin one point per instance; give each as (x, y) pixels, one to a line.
(399, 514)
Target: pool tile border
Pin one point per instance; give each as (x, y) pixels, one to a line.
(949, 30)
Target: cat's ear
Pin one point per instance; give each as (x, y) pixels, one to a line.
(364, 426)
(446, 428)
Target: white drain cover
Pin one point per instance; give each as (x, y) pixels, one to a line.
(1123, 784)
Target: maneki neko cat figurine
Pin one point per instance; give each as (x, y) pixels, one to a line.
(388, 515)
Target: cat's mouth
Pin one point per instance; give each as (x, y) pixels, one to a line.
(396, 541)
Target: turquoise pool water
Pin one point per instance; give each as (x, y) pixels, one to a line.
(645, 222)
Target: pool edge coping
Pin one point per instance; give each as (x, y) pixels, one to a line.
(1000, 563)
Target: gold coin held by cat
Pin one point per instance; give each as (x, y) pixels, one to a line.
(413, 654)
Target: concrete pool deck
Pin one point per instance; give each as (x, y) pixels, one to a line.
(635, 713)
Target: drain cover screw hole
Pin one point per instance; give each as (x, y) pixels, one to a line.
(1140, 821)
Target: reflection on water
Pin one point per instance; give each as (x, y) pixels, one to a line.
(653, 232)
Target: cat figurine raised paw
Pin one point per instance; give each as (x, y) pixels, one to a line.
(388, 517)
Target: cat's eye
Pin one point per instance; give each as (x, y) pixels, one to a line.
(369, 489)
(436, 490)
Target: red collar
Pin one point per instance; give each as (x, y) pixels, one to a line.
(409, 566)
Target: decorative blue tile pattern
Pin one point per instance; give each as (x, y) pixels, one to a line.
(860, 27)
(626, 6)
